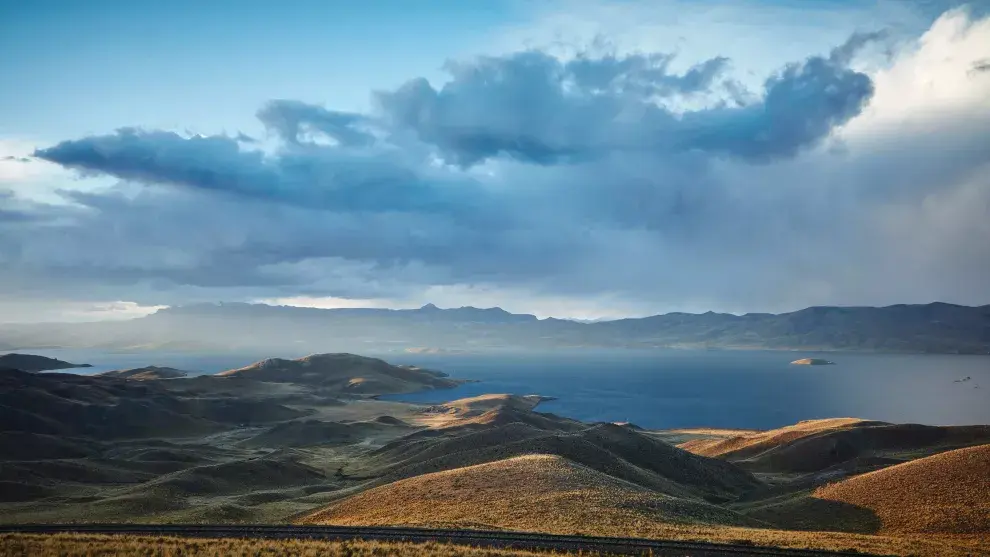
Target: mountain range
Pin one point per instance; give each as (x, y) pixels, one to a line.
(923, 328)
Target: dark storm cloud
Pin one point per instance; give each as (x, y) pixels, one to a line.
(538, 109)
(308, 175)
(800, 107)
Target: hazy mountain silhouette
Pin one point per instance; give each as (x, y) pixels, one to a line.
(934, 328)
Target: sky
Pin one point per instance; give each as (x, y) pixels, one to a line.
(584, 159)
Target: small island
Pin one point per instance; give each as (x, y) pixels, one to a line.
(812, 362)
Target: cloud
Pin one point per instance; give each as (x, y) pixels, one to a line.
(529, 106)
(539, 109)
(305, 174)
(589, 181)
(291, 118)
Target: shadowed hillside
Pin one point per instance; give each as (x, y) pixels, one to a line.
(346, 373)
(306, 433)
(107, 408)
(29, 362)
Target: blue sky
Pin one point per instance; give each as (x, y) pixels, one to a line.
(84, 67)
(586, 159)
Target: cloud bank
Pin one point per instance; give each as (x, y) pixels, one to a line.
(592, 180)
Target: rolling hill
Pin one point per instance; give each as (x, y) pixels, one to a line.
(841, 443)
(944, 493)
(940, 496)
(535, 492)
(103, 408)
(505, 427)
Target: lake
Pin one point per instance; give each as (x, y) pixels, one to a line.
(679, 388)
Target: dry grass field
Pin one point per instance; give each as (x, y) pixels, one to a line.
(945, 493)
(840, 447)
(84, 545)
(722, 442)
(550, 494)
(524, 493)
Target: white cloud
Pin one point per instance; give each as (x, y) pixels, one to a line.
(69, 311)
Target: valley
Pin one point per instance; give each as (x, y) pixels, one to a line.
(307, 441)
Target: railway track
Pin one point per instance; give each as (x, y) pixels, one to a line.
(500, 539)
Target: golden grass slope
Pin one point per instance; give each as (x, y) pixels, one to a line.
(522, 493)
(843, 445)
(749, 443)
(24, 545)
(543, 493)
(948, 493)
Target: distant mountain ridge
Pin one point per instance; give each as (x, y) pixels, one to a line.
(923, 328)
(428, 311)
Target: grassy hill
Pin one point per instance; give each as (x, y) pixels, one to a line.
(535, 492)
(836, 444)
(945, 493)
(497, 427)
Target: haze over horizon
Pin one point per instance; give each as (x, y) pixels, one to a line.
(576, 160)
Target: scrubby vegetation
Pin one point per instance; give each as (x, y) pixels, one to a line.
(24, 545)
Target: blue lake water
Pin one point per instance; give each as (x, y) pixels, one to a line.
(677, 388)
